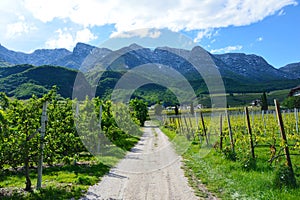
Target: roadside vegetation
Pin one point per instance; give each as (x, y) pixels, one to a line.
(233, 173)
(71, 162)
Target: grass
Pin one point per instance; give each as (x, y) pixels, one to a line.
(229, 179)
(62, 181)
(59, 182)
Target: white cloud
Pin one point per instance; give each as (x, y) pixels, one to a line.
(281, 13)
(18, 28)
(172, 14)
(85, 35)
(65, 39)
(259, 39)
(227, 49)
(208, 33)
(142, 33)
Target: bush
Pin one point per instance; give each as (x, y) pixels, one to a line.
(284, 177)
(84, 180)
(249, 164)
(291, 102)
(229, 154)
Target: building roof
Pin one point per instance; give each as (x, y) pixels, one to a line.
(294, 91)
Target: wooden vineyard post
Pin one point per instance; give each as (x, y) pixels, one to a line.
(197, 127)
(186, 125)
(100, 132)
(191, 128)
(264, 121)
(180, 124)
(230, 132)
(77, 110)
(191, 125)
(221, 133)
(174, 121)
(177, 124)
(203, 126)
(43, 130)
(249, 132)
(296, 119)
(197, 121)
(286, 147)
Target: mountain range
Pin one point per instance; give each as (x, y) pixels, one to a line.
(240, 72)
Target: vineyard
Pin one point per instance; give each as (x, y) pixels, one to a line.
(67, 146)
(240, 153)
(237, 145)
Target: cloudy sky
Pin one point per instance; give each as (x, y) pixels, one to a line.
(268, 28)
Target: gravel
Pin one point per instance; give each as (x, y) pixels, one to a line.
(151, 170)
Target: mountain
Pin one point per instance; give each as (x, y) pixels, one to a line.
(252, 66)
(293, 68)
(22, 81)
(237, 66)
(56, 57)
(85, 57)
(240, 72)
(38, 57)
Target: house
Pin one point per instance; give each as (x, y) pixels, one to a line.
(294, 92)
(256, 102)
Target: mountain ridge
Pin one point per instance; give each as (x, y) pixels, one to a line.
(240, 72)
(293, 68)
(85, 57)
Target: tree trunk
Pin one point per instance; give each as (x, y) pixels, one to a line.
(28, 181)
(26, 162)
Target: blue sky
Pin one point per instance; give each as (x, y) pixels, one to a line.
(266, 28)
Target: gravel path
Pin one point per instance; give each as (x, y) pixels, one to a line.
(152, 170)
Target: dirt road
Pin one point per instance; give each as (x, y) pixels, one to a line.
(152, 170)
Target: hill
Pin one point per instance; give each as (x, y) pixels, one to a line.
(22, 81)
(241, 73)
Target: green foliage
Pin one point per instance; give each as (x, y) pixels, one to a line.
(23, 81)
(59, 182)
(26, 90)
(264, 102)
(4, 101)
(291, 102)
(229, 180)
(139, 110)
(158, 109)
(20, 123)
(284, 177)
(249, 163)
(229, 154)
(236, 175)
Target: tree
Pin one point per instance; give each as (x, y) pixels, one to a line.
(176, 110)
(264, 102)
(291, 102)
(158, 109)
(192, 110)
(139, 110)
(24, 121)
(4, 101)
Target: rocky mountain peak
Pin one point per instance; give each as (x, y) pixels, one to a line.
(82, 49)
(293, 68)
